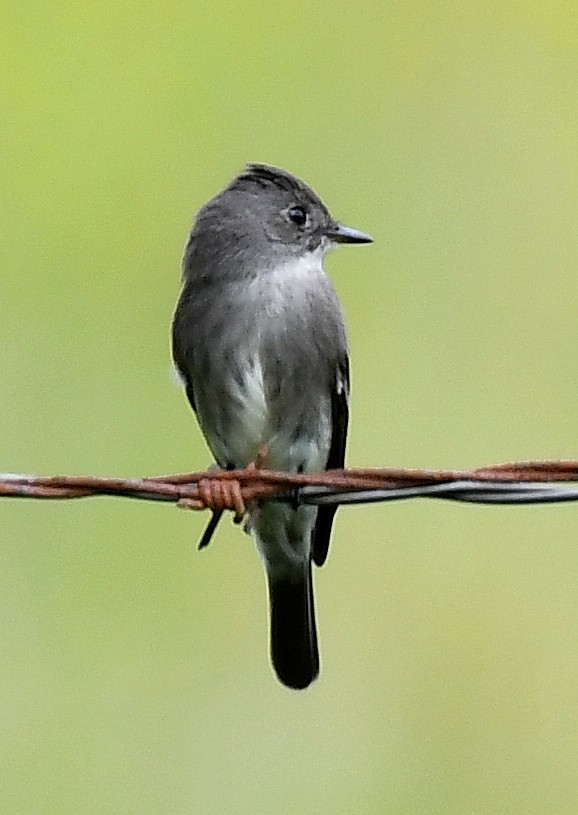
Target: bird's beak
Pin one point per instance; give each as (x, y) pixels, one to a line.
(346, 234)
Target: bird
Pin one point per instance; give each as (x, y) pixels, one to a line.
(259, 342)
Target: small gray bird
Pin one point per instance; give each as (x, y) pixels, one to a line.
(259, 341)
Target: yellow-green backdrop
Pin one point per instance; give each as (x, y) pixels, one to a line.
(134, 674)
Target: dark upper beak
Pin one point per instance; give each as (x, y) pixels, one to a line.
(346, 234)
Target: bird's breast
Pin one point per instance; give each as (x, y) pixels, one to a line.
(275, 399)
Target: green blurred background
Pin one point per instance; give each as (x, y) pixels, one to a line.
(135, 675)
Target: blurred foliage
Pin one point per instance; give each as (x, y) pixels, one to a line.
(135, 675)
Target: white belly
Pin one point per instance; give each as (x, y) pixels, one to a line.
(242, 429)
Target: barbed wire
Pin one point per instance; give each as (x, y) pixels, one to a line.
(526, 482)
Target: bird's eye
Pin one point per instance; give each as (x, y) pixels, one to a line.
(298, 215)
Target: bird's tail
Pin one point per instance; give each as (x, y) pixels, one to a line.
(294, 650)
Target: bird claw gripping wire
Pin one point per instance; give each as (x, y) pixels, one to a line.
(217, 495)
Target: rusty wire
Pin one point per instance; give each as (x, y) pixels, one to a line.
(513, 483)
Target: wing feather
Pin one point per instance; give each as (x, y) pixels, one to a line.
(335, 460)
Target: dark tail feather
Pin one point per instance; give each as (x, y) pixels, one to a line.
(293, 636)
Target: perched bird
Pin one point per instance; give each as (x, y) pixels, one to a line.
(260, 344)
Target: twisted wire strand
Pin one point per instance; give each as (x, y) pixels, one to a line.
(526, 482)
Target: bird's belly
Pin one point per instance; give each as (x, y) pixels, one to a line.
(248, 423)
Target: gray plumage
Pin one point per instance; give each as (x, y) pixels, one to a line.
(259, 340)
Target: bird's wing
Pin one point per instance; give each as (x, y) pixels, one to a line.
(190, 394)
(182, 349)
(335, 460)
(216, 515)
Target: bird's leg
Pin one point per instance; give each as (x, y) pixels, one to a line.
(219, 495)
(261, 458)
(253, 510)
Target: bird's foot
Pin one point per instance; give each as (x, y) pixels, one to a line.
(220, 494)
(253, 509)
(217, 495)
